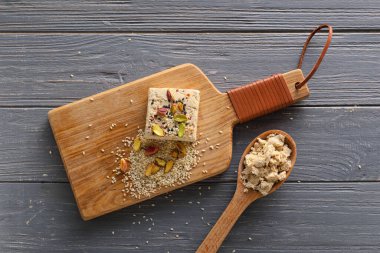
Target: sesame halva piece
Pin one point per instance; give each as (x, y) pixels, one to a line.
(172, 114)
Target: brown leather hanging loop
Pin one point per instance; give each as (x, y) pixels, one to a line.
(316, 65)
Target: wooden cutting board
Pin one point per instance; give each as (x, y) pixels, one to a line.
(87, 167)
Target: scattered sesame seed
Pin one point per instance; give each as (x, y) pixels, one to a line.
(250, 238)
(177, 236)
(203, 150)
(126, 124)
(50, 152)
(89, 125)
(207, 139)
(298, 181)
(44, 175)
(153, 204)
(211, 147)
(71, 75)
(113, 232)
(92, 100)
(247, 127)
(186, 223)
(131, 101)
(360, 167)
(171, 229)
(198, 202)
(102, 150)
(204, 164)
(173, 212)
(225, 78)
(220, 132)
(291, 118)
(129, 39)
(149, 229)
(209, 187)
(147, 242)
(228, 107)
(87, 137)
(233, 251)
(83, 153)
(202, 209)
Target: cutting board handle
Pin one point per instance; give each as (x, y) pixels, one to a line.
(278, 91)
(268, 95)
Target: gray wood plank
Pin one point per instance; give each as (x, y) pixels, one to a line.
(306, 217)
(36, 69)
(332, 143)
(182, 15)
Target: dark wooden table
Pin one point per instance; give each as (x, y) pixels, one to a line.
(55, 52)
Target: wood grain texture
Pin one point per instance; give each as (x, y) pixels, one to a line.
(332, 142)
(305, 217)
(87, 173)
(182, 15)
(35, 69)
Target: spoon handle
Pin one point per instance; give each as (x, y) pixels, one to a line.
(224, 224)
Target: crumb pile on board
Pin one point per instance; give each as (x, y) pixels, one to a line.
(152, 164)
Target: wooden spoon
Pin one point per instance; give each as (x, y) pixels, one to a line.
(240, 201)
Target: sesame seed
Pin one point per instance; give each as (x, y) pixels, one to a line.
(186, 223)
(147, 242)
(113, 232)
(227, 107)
(250, 238)
(202, 209)
(203, 150)
(207, 139)
(225, 78)
(177, 236)
(211, 147)
(87, 137)
(83, 152)
(173, 212)
(220, 132)
(233, 251)
(359, 166)
(50, 152)
(204, 164)
(89, 125)
(71, 75)
(171, 229)
(92, 100)
(102, 150)
(291, 118)
(126, 124)
(131, 101)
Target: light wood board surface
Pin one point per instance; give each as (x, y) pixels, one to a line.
(80, 145)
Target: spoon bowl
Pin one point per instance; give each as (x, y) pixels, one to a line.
(241, 200)
(251, 194)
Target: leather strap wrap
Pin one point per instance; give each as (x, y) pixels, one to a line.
(260, 98)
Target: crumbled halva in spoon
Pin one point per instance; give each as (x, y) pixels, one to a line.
(266, 164)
